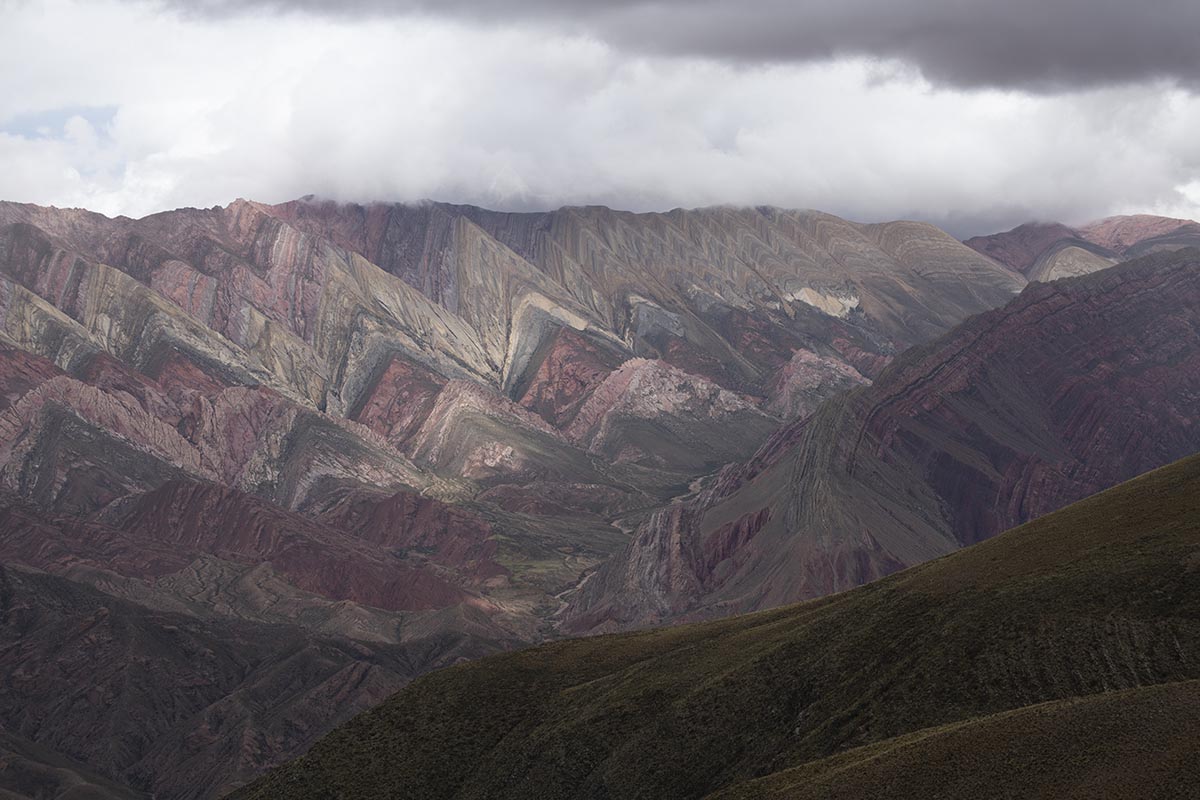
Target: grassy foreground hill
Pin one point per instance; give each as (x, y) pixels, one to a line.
(1058, 659)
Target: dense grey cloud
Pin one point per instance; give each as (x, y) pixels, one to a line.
(1043, 45)
(117, 106)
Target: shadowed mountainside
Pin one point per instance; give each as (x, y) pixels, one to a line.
(179, 703)
(1071, 388)
(1093, 611)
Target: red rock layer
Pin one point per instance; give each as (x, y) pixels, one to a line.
(206, 518)
(572, 368)
(399, 401)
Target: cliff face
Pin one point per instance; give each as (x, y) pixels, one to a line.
(381, 439)
(1070, 388)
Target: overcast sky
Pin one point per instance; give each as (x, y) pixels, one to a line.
(974, 115)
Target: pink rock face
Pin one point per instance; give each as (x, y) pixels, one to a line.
(449, 536)
(568, 374)
(756, 338)
(357, 228)
(228, 427)
(75, 447)
(389, 422)
(867, 363)
(1121, 233)
(58, 545)
(648, 408)
(320, 558)
(112, 376)
(354, 553)
(689, 358)
(806, 381)
(20, 372)
(725, 545)
(647, 389)
(402, 398)
(459, 438)
(181, 377)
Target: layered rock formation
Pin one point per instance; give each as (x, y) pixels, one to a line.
(377, 440)
(1070, 388)
(1049, 251)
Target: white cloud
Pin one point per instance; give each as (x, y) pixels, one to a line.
(276, 106)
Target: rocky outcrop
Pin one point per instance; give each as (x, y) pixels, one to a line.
(475, 433)
(1067, 260)
(337, 563)
(399, 399)
(1072, 387)
(1121, 234)
(567, 373)
(807, 380)
(650, 413)
(368, 312)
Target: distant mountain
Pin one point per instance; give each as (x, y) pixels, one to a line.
(1071, 388)
(376, 440)
(1062, 658)
(1048, 251)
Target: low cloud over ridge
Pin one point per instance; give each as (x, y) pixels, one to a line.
(131, 107)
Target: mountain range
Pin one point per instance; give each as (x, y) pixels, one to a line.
(1068, 389)
(261, 466)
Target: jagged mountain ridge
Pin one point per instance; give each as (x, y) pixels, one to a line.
(685, 281)
(236, 416)
(266, 303)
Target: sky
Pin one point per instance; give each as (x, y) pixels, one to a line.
(973, 115)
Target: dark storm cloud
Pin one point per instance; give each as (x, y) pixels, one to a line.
(1041, 45)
